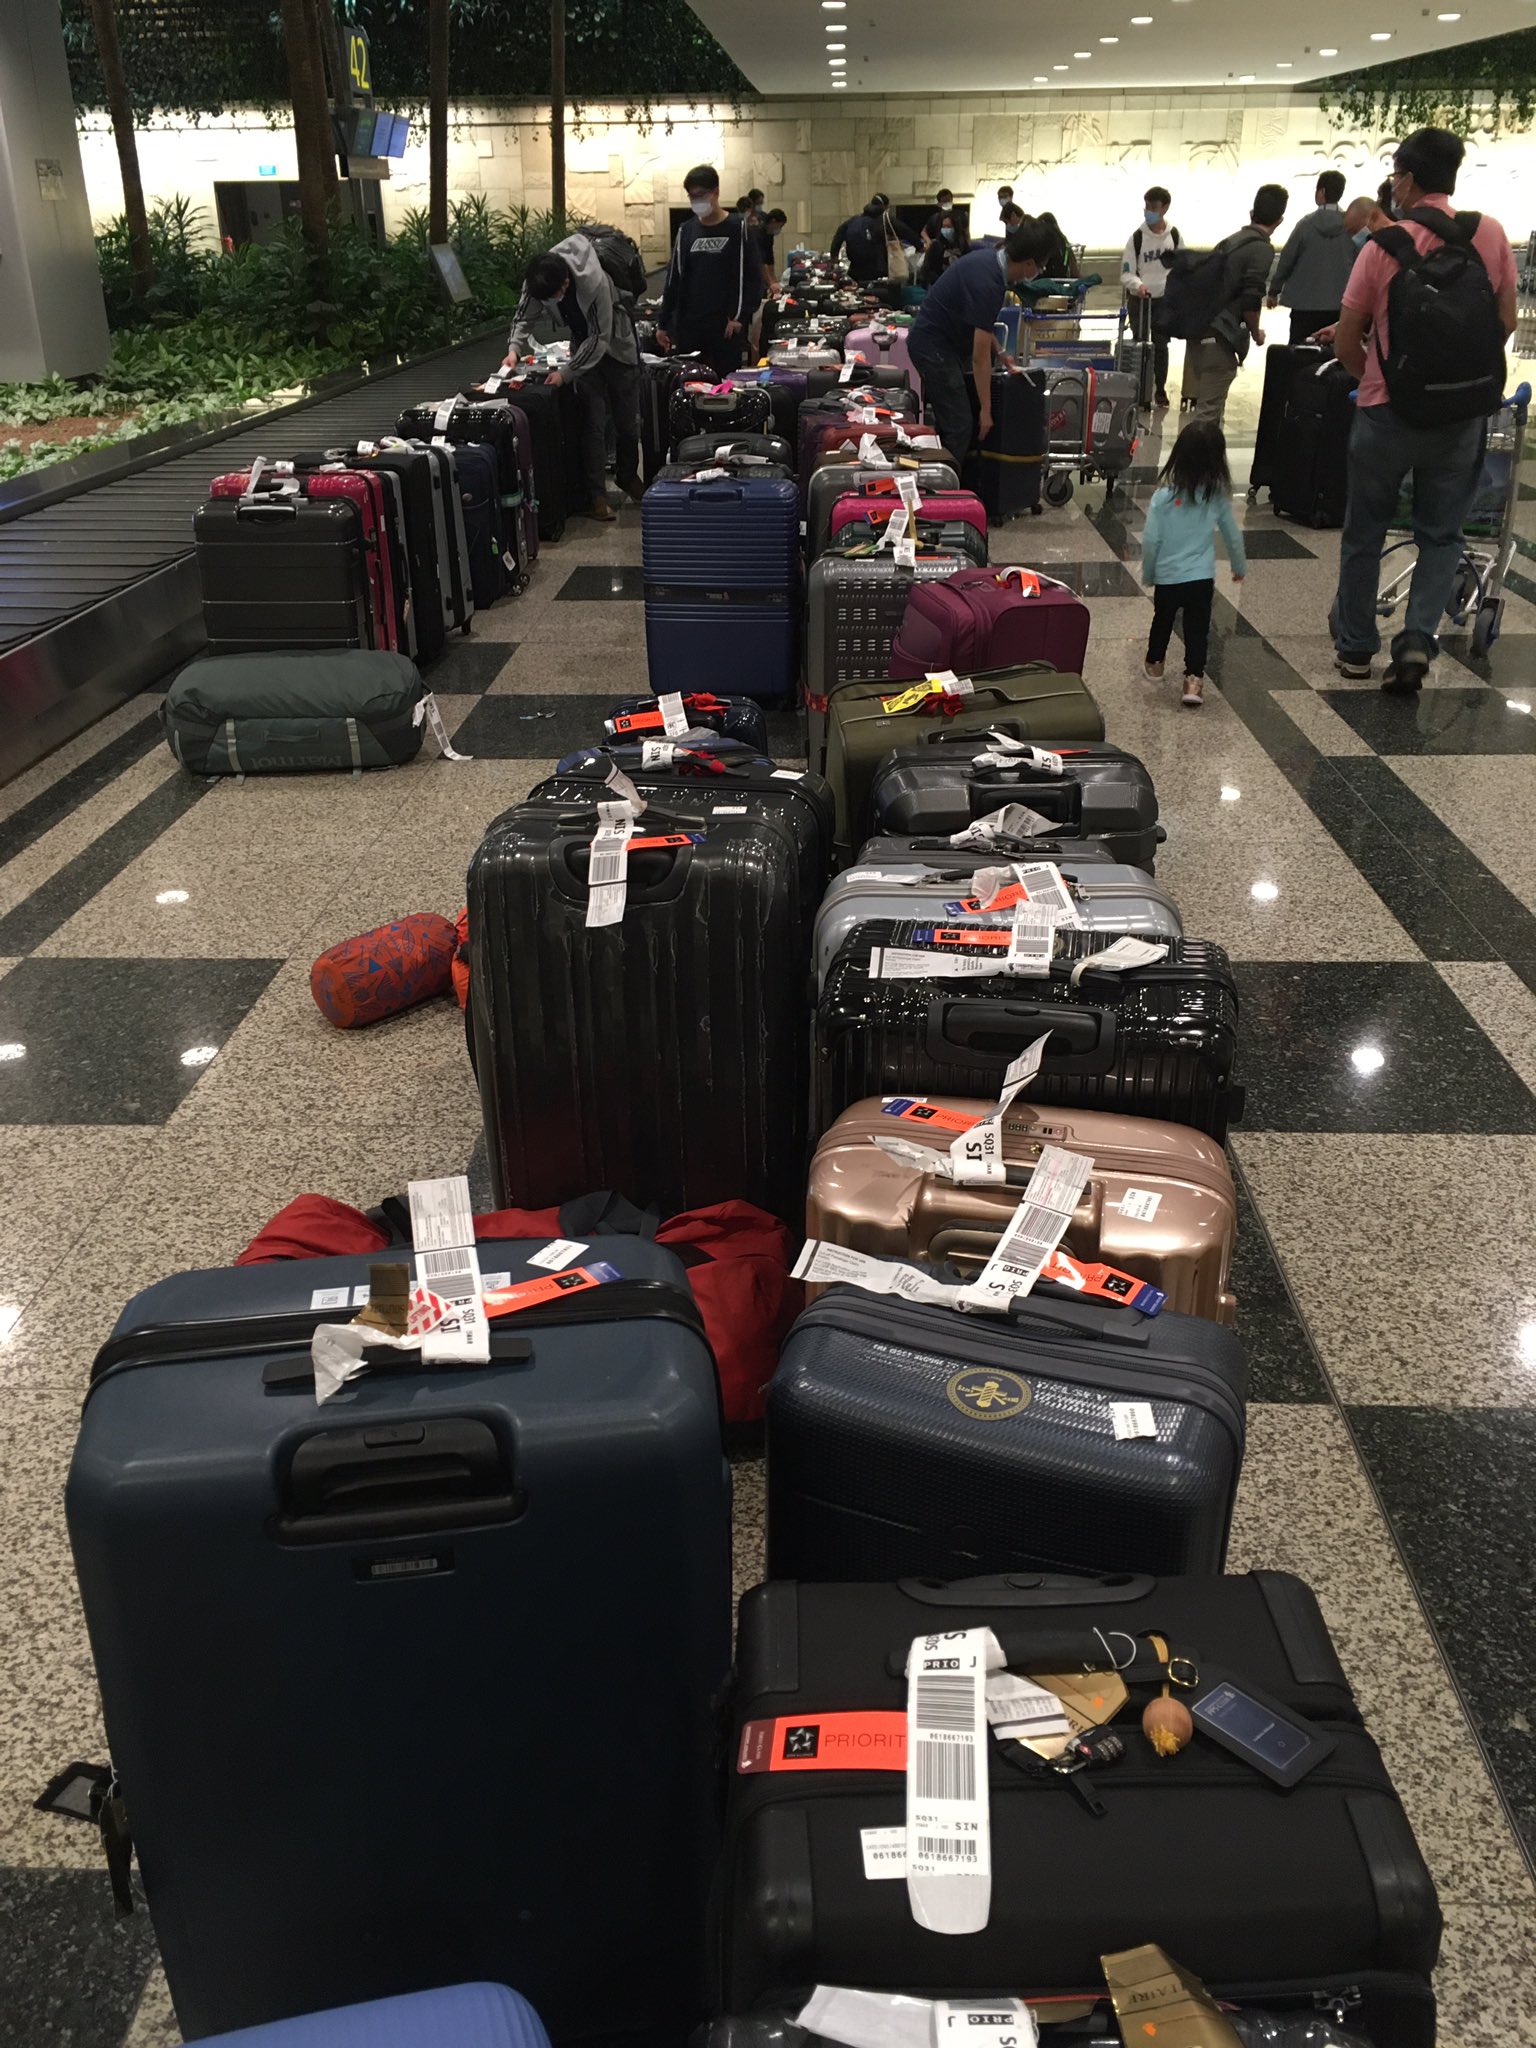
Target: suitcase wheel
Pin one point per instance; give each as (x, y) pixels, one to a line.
(1490, 617)
(1058, 491)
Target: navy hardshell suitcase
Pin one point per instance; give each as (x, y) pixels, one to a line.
(722, 586)
(1156, 1041)
(878, 1468)
(357, 1661)
(1301, 1903)
(664, 1056)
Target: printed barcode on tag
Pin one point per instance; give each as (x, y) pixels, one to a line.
(606, 865)
(448, 1273)
(1034, 1231)
(945, 1701)
(944, 1849)
(946, 1770)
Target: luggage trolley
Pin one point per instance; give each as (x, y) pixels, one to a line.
(1076, 337)
(1488, 533)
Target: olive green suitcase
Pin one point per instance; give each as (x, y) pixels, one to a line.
(1037, 703)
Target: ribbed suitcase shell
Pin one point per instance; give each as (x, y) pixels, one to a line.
(855, 607)
(298, 1704)
(722, 575)
(424, 478)
(1273, 1897)
(381, 549)
(878, 1470)
(1149, 1041)
(664, 1057)
(1030, 703)
(858, 1195)
(284, 573)
(1111, 898)
(949, 510)
(834, 481)
(1105, 793)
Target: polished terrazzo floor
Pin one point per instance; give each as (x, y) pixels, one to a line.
(1369, 864)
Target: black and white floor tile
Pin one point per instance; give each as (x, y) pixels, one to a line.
(166, 1083)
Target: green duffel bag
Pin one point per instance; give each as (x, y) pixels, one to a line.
(283, 712)
(1032, 702)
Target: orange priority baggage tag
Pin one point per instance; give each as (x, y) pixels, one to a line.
(875, 1741)
(522, 1294)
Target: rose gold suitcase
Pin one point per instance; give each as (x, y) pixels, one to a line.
(1160, 1202)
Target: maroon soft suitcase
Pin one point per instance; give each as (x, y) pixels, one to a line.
(990, 618)
(361, 488)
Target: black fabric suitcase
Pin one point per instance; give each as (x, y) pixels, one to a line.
(752, 450)
(877, 1468)
(1279, 363)
(356, 1661)
(476, 469)
(285, 711)
(1007, 470)
(936, 788)
(664, 1056)
(1155, 1041)
(281, 572)
(1291, 1901)
(1311, 478)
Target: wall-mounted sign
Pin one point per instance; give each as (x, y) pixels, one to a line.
(360, 63)
(50, 178)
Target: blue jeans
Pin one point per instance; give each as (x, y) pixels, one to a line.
(1445, 463)
(946, 393)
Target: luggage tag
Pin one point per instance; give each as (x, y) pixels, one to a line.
(1022, 1710)
(1097, 1282)
(525, 1294)
(443, 415)
(871, 452)
(994, 2023)
(1035, 757)
(1039, 884)
(867, 2019)
(427, 708)
(977, 1154)
(949, 1837)
(906, 486)
(1037, 1227)
(447, 1263)
(896, 525)
(941, 683)
(607, 861)
(940, 953)
(1124, 953)
(1010, 821)
(845, 374)
(828, 1265)
(1027, 580)
(874, 1741)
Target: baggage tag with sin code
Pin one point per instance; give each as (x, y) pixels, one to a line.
(1037, 1228)
(977, 1154)
(1122, 954)
(949, 1840)
(1011, 821)
(1000, 2023)
(607, 865)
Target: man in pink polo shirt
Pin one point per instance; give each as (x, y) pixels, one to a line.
(1424, 399)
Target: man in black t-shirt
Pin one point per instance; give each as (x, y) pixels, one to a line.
(714, 280)
(864, 238)
(771, 224)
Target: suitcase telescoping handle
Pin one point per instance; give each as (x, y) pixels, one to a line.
(992, 1030)
(410, 1478)
(1029, 1589)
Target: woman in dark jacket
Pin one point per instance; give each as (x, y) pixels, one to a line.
(948, 241)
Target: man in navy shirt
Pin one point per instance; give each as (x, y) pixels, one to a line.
(952, 334)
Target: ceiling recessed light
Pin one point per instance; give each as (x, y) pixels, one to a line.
(1082, 53)
(1381, 35)
(839, 82)
(838, 63)
(1109, 39)
(1447, 17)
(1041, 79)
(1367, 1059)
(1264, 892)
(1061, 67)
(836, 46)
(835, 5)
(1330, 50)
(1246, 79)
(1141, 21)
(1284, 64)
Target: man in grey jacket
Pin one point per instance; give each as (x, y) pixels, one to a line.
(1313, 268)
(1212, 360)
(570, 284)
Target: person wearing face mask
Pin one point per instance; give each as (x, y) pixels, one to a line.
(1144, 278)
(946, 245)
(944, 202)
(952, 340)
(570, 285)
(714, 280)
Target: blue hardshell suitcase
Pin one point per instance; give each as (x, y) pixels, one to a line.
(458, 2016)
(358, 1662)
(722, 585)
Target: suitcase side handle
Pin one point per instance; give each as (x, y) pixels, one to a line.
(1059, 800)
(997, 1029)
(395, 1479)
(1029, 1589)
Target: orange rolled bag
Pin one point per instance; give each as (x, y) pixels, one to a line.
(382, 972)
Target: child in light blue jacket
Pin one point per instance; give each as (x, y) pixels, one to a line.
(1178, 550)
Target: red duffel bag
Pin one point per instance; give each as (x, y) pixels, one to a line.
(386, 970)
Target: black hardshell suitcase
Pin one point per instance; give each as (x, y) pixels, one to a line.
(1007, 470)
(1270, 432)
(1311, 476)
(936, 788)
(879, 376)
(371, 1606)
(282, 572)
(665, 1056)
(700, 411)
(1156, 1041)
(752, 449)
(1290, 1901)
(659, 377)
(429, 549)
(877, 1467)
(488, 421)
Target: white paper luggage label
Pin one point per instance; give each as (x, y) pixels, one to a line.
(1011, 821)
(895, 528)
(885, 1851)
(1140, 1204)
(845, 374)
(608, 864)
(657, 753)
(1123, 953)
(1036, 757)
(330, 1297)
(1020, 1710)
(1038, 1225)
(828, 1264)
(674, 719)
(1039, 884)
(427, 709)
(995, 2023)
(557, 1254)
(1133, 1419)
(443, 1230)
(949, 1836)
(624, 790)
(977, 1154)
(867, 2019)
(872, 454)
(907, 490)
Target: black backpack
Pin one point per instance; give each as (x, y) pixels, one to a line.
(622, 262)
(1193, 295)
(1445, 356)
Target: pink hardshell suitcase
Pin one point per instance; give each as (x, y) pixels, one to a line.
(864, 509)
(880, 344)
(990, 618)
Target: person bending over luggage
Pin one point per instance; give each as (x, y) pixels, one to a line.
(951, 338)
(864, 239)
(946, 247)
(1211, 360)
(1427, 387)
(1313, 268)
(714, 280)
(1061, 261)
(1193, 502)
(570, 282)
(769, 228)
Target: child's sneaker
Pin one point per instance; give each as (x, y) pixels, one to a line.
(1194, 692)
(1153, 671)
